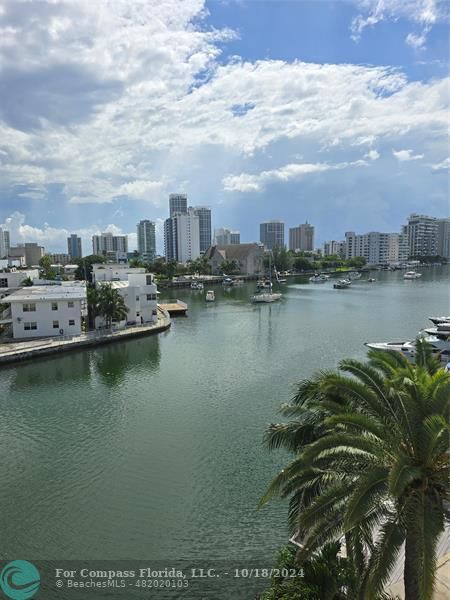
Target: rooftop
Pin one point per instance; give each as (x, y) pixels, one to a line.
(48, 292)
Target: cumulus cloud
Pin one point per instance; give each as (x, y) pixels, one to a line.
(294, 171)
(405, 155)
(372, 155)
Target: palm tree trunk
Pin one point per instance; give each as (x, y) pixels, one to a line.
(411, 572)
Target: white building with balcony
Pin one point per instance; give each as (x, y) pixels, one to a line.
(48, 311)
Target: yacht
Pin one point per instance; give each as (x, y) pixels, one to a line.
(227, 281)
(210, 296)
(263, 284)
(438, 346)
(439, 320)
(319, 278)
(196, 285)
(412, 275)
(265, 297)
(342, 284)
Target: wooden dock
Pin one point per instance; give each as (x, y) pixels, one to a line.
(175, 308)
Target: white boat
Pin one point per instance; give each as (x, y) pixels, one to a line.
(210, 296)
(227, 281)
(412, 275)
(263, 284)
(439, 320)
(342, 284)
(266, 297)
(354, 275)
(319, 278)
(371, 279)
(196, 285)
(438, 345)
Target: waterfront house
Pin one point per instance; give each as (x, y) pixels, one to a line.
(137, 288)
(47, 310)
(248, 257)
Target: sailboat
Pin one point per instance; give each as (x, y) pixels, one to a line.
(266, 296)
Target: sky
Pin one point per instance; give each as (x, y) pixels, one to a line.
(331, 112)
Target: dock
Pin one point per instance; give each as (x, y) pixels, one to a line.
(175, 308)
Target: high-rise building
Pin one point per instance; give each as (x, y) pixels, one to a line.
(226, 237)
(182, 236)
(177, 204)
(443, 245)
(74, 246)
(113, 247)
(4, 243)
(146, 239)
(422, 235)
(271, 234)
(204, 222)
(301, 238)
(31, 253)
(334, 248)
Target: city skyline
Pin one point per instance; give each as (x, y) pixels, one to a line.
(290, 111)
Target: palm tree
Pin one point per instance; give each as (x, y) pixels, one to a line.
(110, 304)
(371, 464)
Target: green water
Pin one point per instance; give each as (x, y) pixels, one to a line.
(152, 448)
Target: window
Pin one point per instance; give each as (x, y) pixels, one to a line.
(70, 304)
(29, 307)
(71, 322)
(149, 279)
(30, 325)
(3, 282)
(54, 306)
(55, 324)
(151, 296)
(137, 298)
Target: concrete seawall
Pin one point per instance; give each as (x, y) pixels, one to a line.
(21, 351)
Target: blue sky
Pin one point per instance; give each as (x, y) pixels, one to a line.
(331, 112)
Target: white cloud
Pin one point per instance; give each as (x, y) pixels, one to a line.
(424, 13)
(405, 155)
(442, 166)
(372, 154)
(246, 182)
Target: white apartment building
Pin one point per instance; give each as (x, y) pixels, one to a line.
(422, 235)
(12, 280)
(137, 288)
(48, 311)
(376, 247)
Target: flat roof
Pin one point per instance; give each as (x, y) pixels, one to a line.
(47, 292)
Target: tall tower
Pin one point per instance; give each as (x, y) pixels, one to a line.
(271, 234)
(204, 222)
(146, 239)
(74, 246)
(177, 204)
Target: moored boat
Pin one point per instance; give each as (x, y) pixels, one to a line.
(412, 275)
(210, 296)
(265, 297)
(342, 284)
(319, 278)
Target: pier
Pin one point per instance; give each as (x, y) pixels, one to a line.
(175, 308)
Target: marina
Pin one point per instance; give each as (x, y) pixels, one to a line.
(142, 448)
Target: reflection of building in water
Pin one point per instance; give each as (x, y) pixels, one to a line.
(114, 361)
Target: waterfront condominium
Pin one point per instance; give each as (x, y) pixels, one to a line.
(113, 247)
(74, 246)
(4, 243)
(226, 237)
(376, 247)
(422, 234)
(182, 236)
(204, 222)
(146, 239)
(271, 234)
(443, 248)
(301, 238)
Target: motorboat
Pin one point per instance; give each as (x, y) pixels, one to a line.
(210, 296)
(439, 320)
(442, 330)
(265, 284)
(265, 297)
(371, 279)
(412, 275)
(439, 346)
(227, 281)
(319, 278)
(196, 285)
(342, 284)
(354, 275)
